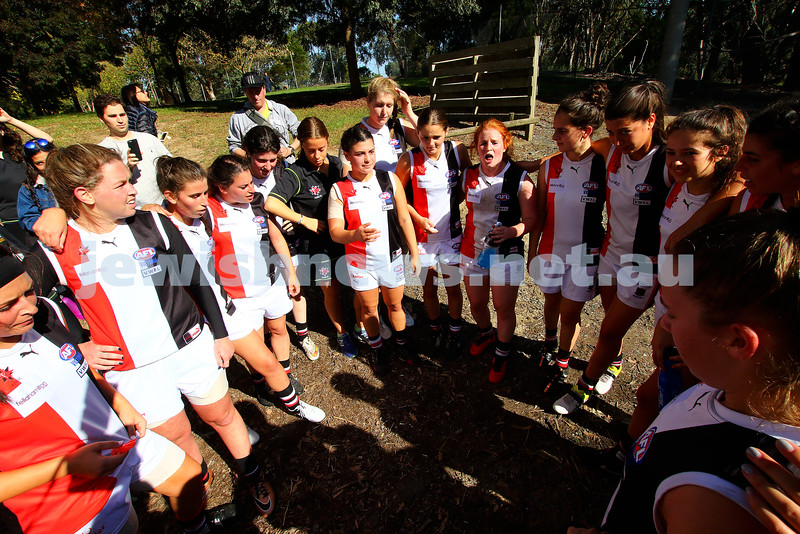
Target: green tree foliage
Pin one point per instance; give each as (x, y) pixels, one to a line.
(49, 48)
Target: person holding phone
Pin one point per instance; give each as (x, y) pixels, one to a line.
(138, 150)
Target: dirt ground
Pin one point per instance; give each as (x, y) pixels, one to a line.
(435, 448)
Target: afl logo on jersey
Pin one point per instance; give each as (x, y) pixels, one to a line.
(258, 219)
(503, 197)
(67, 352)
(642, 196)
(144, 254)
(640, 449)
(387, 205)
(450, 174)
(590, 190)
(148, 261)
(502, 201)
(394, 142)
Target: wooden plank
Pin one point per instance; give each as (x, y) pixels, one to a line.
(486, 102)
(481, 50)
(509, 124)
(534, 83)
(482, 85)
(497, 66)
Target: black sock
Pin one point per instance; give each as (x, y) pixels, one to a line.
(455, 325)
(400, 337)
(502, 349)
(195, 524)
(436, 325)
(551, 339)
(376, 342)
(290, 399)
(486, 332)
(617, 361)
(562, 358)
(247, 465)
(287, 366)
(302, 330)
(586, 383)
(256, 378)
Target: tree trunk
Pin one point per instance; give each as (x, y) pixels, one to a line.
(172, 52)
(398, 54)
(352, 58)
(671, 49)
(75, 102)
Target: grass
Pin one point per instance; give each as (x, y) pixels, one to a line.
(198, 130)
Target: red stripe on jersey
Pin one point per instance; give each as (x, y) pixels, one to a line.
(612, 166)
(420, 194)
(356, 251)
(673, 195)
(78, 499)
(471, 177)
(97, 307)
(225, 254)
(554, 165)
(752, 201)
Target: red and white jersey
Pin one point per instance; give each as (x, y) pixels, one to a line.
(433, 191)
(388, 147)
(751, 201)
(131, 284)
(491, 200)
(53, 409)
(371, 201)
(635, 195)
(576, 193)
(679, 208)
(241, 246)
(202, 246)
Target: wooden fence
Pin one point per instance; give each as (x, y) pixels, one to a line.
(488, 81)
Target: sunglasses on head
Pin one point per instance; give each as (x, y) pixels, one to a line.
(35, 145)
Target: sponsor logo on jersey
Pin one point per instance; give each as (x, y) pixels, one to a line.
(316, 190)
(589, 188)
(642, 195)
(503, 200)
(148, 261)
(640, 449)
(323, 271)
(7, 381)
(69, 353)
(144, 254)
(83, 250)
(261, 222)
(192, 334)
(398, 269)
(388, 204)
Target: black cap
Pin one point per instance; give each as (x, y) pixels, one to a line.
(252, 79)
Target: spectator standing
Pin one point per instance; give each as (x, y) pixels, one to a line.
(137, 105)
(12, 174)
(111, 111)
(258, 111)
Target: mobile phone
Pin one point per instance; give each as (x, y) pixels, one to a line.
(133, 146)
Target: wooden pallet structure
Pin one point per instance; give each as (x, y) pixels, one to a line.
(497, 80)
